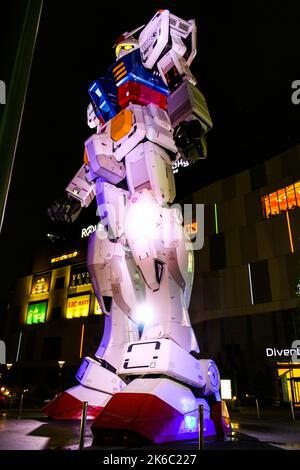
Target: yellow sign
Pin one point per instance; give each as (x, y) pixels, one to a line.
(97, 310)
(78, 306)
(40, 284)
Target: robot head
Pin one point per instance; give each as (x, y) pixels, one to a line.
(127, 43)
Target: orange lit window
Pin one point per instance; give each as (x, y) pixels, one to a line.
(274, 203)
(282, 200)
(291, 197)
(192, 228)
(266, 206)
(297, 191)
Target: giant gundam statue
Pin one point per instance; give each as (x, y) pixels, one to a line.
(147, 376)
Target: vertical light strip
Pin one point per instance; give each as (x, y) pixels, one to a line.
(19, 345)
(290, 232)
(216, 219)
(81, 341)
(250, 284)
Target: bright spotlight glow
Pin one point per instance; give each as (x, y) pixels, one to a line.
(190, 422)
(143, 313)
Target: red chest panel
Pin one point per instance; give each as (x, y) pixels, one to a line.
(137, 93)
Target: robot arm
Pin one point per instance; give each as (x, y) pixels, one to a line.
(169, 44)
(80, 193)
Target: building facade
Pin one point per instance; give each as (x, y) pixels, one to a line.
(245, 296)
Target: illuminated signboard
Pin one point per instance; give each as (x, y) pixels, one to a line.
(226, 389)
(64, 257)
(36, 313)
(97, 309)
(78, 306)
(180, 163)
(79, 277)
(41, 284)
(85, 232)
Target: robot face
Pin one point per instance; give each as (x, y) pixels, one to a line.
(125, 47)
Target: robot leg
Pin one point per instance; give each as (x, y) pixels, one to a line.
(114, 279)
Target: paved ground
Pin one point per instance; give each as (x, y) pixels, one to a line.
(275, 430)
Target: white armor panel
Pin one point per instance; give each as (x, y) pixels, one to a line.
(162, 356)
(159, 128)
(91, 374)
(81, 189)
(111, 207)
(101, 160)
(119, 330)
(149, 166)
(167, 315)
(154, 38)
(171, 59)
(92, 119)
(100, 252)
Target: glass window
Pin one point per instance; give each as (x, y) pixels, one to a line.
(266, 206)
(60, 282)
(297, 191)
(291, 197)
(274, 203)
(282, 202)
(279, 201)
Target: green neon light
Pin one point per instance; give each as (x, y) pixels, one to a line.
(36, 313)
(190, 262)
(216, 219)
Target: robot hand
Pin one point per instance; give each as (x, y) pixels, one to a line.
(64, 211)
(190, 140)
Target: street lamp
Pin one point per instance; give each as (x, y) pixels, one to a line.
(9, 366)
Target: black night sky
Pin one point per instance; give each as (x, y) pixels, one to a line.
(247, 59)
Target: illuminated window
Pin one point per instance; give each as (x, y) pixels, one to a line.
(280, 201)
(192, 228)
(97, 309)
(64, 257)
(36, 313)
(78, 306)
(297, 191)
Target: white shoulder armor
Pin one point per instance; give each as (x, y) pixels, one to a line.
(170, 37)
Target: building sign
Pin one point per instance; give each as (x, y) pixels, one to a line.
(78, 306)
(97, 309)
(180, 163)
(41, 284)
(36, 313)
(85, 232)
(79, 277)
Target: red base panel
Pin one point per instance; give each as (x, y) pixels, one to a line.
(65, 406)
(146, 415)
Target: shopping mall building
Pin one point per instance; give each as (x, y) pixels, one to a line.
(244, 301)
